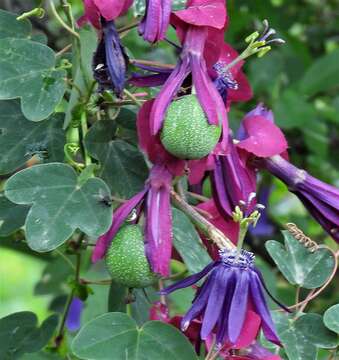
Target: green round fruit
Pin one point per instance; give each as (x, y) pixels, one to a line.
(126, 260)
(186, 132)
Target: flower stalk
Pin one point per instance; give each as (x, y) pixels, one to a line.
(213, 233)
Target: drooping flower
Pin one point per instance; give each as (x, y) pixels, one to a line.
(193, 25)
(154, 202)
(231, 285)
(319, 198)
(234, 184)
(109, 61)
(73, 319)
(233, 178)
(154, 25)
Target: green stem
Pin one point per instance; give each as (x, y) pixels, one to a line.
(203, 224)
(64, 318)
(242, 234)
(84, 129)
(133, 98)
(61, 21)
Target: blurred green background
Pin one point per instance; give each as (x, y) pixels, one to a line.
(299, 81)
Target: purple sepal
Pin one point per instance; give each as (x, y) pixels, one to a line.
(154, 80)
(154, 25)
(158, 225)
(215, 301)
(73, 320)
(109, 60)
(238, 307)
(119, 217)
(115, 57)
(232, 182)
(261, 308)
(190, 280)
(319, 198)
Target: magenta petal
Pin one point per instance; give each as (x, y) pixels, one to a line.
(158, 230)
(264, 139)
(119, 217)
(111, 9)
(204, 13)
(198, 168)
(92, 13)
(207, 94)
(166, 95)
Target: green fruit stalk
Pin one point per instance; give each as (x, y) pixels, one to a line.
(126, 260)
(186, 132)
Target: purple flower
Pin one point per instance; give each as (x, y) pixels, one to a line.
(231, 286)
(154, 25)
(74, 314)
(154, 201)
(109, 61)
(234, 184)
(319, 198)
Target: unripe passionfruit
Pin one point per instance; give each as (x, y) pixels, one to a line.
(126, 260)
(186, 132)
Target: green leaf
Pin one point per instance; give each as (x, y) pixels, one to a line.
(296, 345)
(188, 243)
(292, 111)
(12, 216)
(59, 204)
(117, 333)
(21, 139)
(10, 27)
(122, 165)
(83, 78)
(54, 277)
(141, 301)
(19, 334)
(322, 75)
(298, 264)
(331, 318)
(27, 71)
(126, 121)
(311, 326)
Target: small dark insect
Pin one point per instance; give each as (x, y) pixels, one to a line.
(104, 198)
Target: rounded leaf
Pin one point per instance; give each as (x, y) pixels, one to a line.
(331, 318)
(115, 336)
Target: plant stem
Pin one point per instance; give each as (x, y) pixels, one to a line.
(61, 21)
(128, 27)
(60, 332)
(213, 233)
(133, 98)
(152, 63)
(84, 129)
(59, 336)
